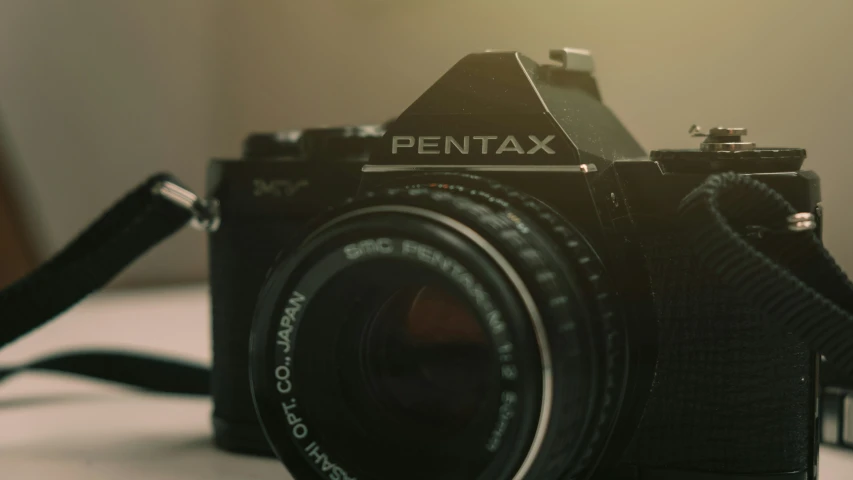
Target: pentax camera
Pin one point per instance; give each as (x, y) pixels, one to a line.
(496, 285)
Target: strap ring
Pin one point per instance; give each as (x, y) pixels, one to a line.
(205, 212)
(796, 223)
(801, 222)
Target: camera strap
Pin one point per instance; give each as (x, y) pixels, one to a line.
(148, 214)
(727, 217)
(757, 242)
(782, 269)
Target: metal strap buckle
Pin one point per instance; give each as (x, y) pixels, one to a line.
(796, 223)
(205, 212)
(801, 222)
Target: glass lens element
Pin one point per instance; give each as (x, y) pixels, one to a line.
(427, 358)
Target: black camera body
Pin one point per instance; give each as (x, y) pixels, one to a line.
(512, 180)
(266, 199)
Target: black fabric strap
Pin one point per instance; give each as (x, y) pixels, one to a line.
(789, 276)
(119, 236)
(738, 228)
(137, 222)
(139, 370)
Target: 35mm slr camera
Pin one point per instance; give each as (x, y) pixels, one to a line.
(497, 285)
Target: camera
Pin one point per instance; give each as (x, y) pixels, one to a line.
(497, 285)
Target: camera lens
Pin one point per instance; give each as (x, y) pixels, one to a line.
(433, 335)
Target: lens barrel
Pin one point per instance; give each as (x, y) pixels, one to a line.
(428, 332)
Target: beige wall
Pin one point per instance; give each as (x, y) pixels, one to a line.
(97, 94)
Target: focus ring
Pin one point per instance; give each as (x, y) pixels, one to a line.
(613, 338)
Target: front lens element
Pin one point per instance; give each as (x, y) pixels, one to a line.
(395, 367)
(427, 359)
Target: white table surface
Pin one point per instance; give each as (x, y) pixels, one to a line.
(60, 427)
